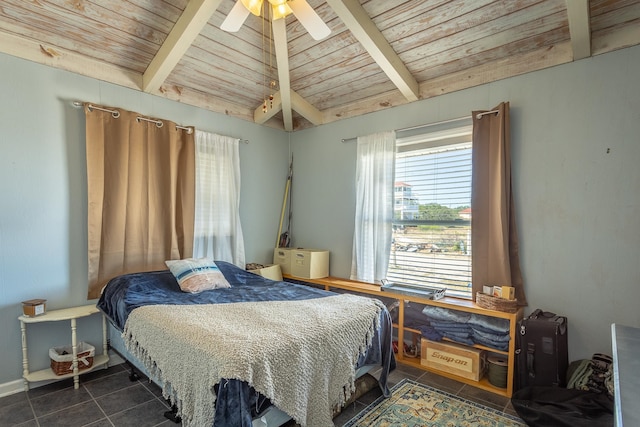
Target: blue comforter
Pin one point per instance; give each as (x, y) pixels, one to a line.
(237, 403)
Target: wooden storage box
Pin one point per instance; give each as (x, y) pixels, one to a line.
(310, 263)
(460, 360)
(34, 307)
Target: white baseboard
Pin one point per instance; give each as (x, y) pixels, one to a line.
(17, 386)
(12, 387)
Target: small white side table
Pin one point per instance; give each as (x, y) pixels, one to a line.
(71, 314)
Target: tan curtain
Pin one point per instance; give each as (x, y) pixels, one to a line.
(141, 186)
(496, 259)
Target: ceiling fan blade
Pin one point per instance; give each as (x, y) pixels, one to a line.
(235, 18)
(309, 19)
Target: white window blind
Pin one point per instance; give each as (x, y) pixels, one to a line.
(432, 212)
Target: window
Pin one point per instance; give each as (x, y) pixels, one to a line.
(432, 211)
(217, 228)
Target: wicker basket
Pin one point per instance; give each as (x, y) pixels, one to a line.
(62, 358)
(494, 303)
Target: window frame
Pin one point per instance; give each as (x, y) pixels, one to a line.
(456, 136)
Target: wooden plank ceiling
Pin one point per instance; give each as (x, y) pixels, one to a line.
(379, 54)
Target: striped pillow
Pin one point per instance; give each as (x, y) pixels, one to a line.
(197, 274)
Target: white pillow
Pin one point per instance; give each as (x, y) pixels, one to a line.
(197, 274)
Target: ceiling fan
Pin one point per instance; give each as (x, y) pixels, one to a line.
(281, 8)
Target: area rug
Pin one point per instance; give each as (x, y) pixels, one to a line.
(413, 404)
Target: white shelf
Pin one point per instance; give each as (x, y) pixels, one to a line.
(62, 314)
(70, 314)
(48, 374)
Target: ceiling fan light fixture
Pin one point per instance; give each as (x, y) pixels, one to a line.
(253, 6)
(281, 10)
(308, 17)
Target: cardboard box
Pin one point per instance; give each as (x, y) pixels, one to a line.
(456, 359)
(272, 272)
(508, 292)
(34, 307)
(282, 257)
(310, 263)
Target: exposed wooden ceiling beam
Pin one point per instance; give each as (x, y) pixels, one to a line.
(579, 28)
(64, 59)
(621, 36)
(298, 103)
(262, 115)
(284, 81)
(207, 101)
(193, 19)
(463, 79)
(305, 109)
(364, 29)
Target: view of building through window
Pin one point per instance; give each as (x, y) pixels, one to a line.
(432, 213)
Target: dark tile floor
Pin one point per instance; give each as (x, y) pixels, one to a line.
(107, 397)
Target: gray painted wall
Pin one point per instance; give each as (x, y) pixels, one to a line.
(576, 148)
(577, 205)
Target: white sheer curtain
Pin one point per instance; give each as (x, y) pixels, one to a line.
(217, 228)
(375, 173)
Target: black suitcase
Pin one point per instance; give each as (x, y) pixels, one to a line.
(541, 350)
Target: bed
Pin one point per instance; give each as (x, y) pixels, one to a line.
(257, 353)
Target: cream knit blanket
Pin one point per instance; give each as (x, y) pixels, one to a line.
(299, 354)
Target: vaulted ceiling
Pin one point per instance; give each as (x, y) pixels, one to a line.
(379, 54)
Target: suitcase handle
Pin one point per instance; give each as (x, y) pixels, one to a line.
(531, 349)
(537, 312)
(560, 320)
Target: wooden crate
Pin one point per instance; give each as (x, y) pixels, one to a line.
(460, 360)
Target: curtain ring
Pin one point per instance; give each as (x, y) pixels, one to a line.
(114, 113)
(159, 123)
